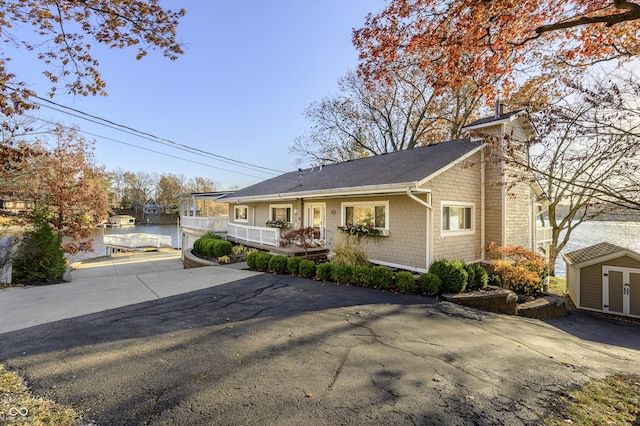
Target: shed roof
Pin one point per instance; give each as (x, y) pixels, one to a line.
(597, 253)
(399, 168)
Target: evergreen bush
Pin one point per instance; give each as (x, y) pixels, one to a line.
(323, 271)
(262, 261)
(429, 284)
(252, 257)
(293, 265)
(495, 280)
(221, 248)
(452, 274)
(307, 268)
(342, 273)
(479, 279)
(381, 277)
(39, 257)
(362, 276)
(278, 265)
(405, 282)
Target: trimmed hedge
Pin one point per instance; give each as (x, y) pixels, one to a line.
(212, 245)
(278, 265)
(381, 277)
(341, 273)
(362, 276)
(252, 257)
(307, 268)
(405, 282)
(262, 261)
(452, 274)
(323, 271)
(478, 277)
(429, 284)
(293, 265)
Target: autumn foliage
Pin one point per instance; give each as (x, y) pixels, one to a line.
(61, 35)
(522, 270)
(456, 42)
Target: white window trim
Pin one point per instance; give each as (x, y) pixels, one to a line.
(235, 218)
(344, 205)
(280, 206)
(447, 233)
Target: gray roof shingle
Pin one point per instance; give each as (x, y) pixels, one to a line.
(594, 252)
(408, 166)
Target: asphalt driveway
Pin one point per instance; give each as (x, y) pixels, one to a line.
(280, 350)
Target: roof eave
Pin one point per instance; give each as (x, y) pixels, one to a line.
(450, 165)
(326, 193)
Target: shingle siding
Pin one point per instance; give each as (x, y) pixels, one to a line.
(460, 183)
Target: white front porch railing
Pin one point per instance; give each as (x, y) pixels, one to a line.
(254, 234)
(543, 235)
(215, 224)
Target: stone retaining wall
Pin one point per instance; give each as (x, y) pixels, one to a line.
(495, 300)
(191, 261)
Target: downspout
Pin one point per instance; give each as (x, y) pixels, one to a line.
(483, 251)
(427, 204)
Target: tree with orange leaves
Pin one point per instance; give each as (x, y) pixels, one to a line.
(458, 41)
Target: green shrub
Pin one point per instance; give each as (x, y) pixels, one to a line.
(278, 265)
(252, 257)
(478, 277)
(293, 265)
(222, 248)
(405, 282)
(307, 268)
(452, 274)
(429, 284)
(381, 277)
(494, 280)
(323, 271)
(342, 273)
(457, 280)
(262, 261)
(362, 276)
(39, 257)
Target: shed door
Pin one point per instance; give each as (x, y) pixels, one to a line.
(621, 291)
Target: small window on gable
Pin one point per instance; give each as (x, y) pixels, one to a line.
(240, 213)
(280, 213)
(374, 214)
(457, 218)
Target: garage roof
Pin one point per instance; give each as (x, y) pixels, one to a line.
(598, 253)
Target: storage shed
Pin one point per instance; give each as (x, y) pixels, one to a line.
(605, 278)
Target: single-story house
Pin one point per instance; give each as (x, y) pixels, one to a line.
(442, 201)
(604, 278)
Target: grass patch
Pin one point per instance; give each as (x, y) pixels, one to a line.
(614, 400)
(558, 285)
(19, 407)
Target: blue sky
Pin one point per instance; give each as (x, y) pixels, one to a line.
(249, 70)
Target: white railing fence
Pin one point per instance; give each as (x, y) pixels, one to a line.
(543, 235)
(215, 224)
(136, 240)
(254, 234)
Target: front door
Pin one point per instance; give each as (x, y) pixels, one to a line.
(315, 217)
(621, 291)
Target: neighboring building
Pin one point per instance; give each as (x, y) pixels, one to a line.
(16, 205)
(604, 278)
(442, 201)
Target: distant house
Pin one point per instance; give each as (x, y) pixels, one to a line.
(152, 208)
(14, 205)
(447, 200)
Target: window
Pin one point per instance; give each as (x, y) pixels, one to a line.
(457, 218)
(241, 213)
(280, 213)
(366, 214)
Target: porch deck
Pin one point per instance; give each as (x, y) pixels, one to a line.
(292, 251)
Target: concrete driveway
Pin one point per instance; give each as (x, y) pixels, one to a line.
(280, 350)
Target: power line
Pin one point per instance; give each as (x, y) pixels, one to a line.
(139, 147)
(138, 133)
